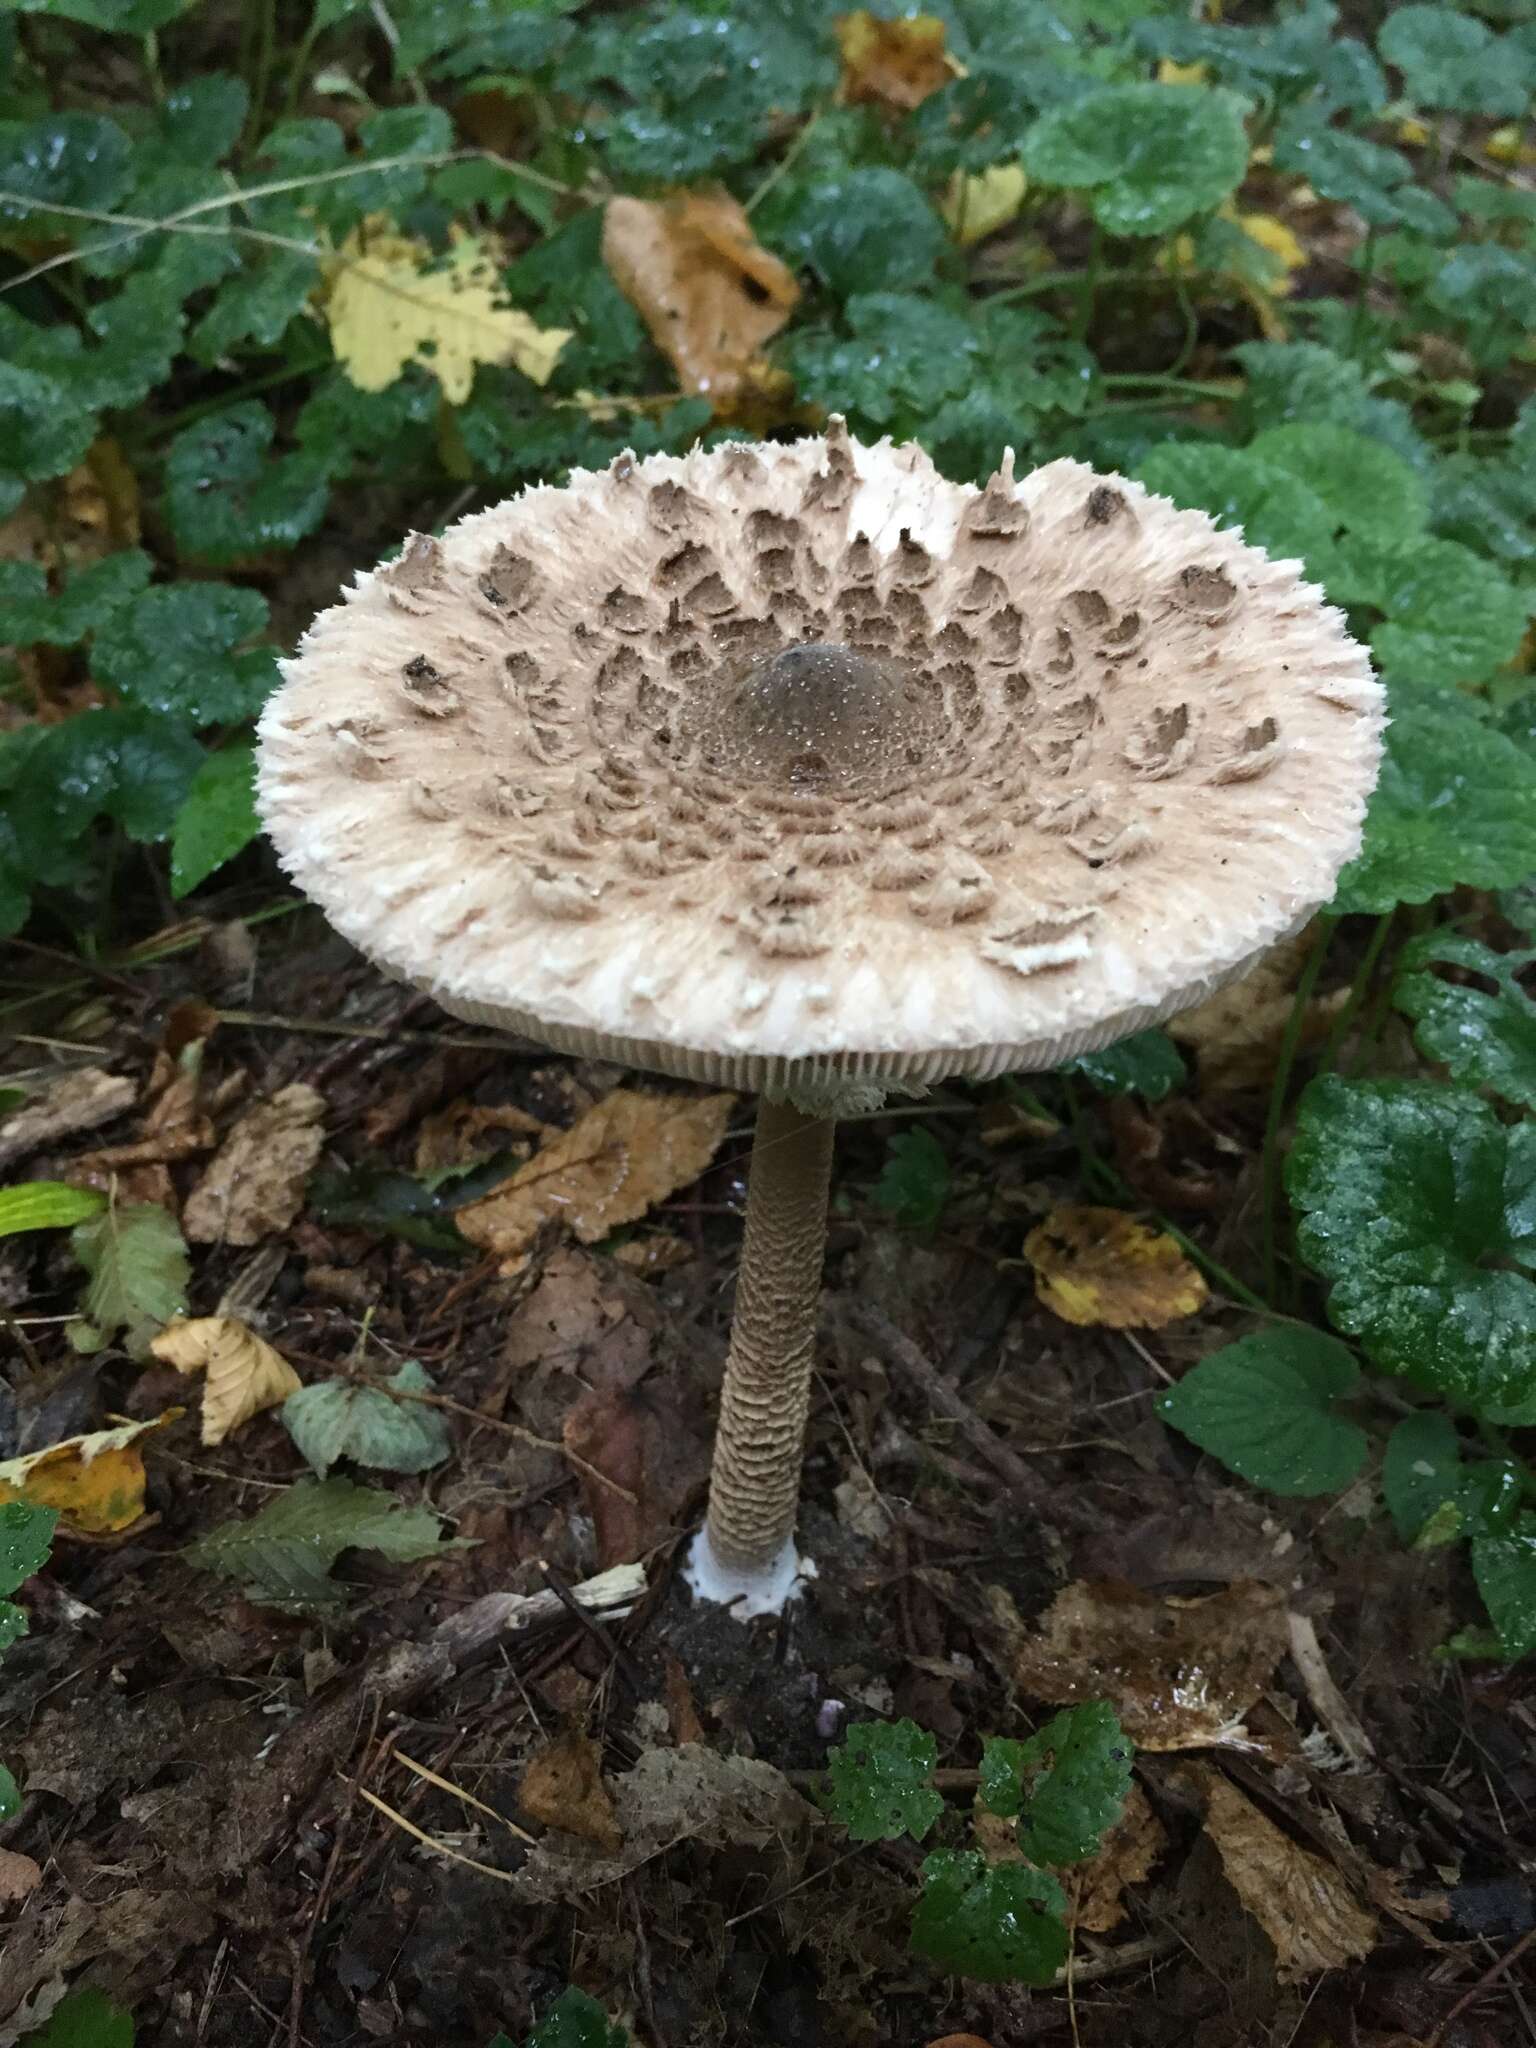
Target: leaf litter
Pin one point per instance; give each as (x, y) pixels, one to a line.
(242, 1373)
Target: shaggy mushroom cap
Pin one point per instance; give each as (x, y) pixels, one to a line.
(792, 766)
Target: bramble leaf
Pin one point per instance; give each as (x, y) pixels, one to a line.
(1000, 1923)
(880, 1781)
(1266, 1407)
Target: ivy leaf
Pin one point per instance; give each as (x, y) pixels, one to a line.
(1148, 1063)
(1149, 156)
(139, 1270)
(1367, 488)
(868, 230)
(283, 1555)
(1487, 1040)
(1266, 1407)
(26, 1535)
(31, 614)
(1416, 1205)
(174, 652)
(1504, 1565)
(1004, 1923)
(334, 1419)
(914, 1183)
(1420, 1470)
(1455, 803)
(880, 1781)
(63, 159)
(902, 357)
(228, 498)
(218, 818)
(1450, 59)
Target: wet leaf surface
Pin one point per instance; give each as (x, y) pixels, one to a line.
(1102, 1266)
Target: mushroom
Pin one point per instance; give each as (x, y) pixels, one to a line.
(804, 770)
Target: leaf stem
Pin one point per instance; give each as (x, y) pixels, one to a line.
(1358, 990)
(1285, 1060)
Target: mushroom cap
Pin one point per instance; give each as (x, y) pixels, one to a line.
(800, 766)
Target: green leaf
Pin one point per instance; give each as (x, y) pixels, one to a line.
(46, 1205)
(880, 1781)
(868, 230)
(1275, 509)
(123, 765)
(43, 432)
(1491, 291)
(283, 1555)
(62, 159)
(1003, 1923)
(384, 1199)
(1149, 156)
(32, 615)
(1076, 1773)
(229, 498)
(1377, 182)
(219, 818)
(1148, 1063)
(85, 2018)
(1485, 1038)
(1455, 803)
(914, 1183)
(1303, 382)
(902, 357)
(201, 120)
(1504, 1565)
(1367, 489)
(10, 1795)
(256, 305)
(1420, 1469)
(1449, 59)
(116, 17)
(139, 1270)
(1416, 1204)
(26, 1535)
(576, 2021)
(173, 652)
(333, 1419)
(1266, 1407)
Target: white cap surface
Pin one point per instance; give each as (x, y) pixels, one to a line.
(794, 765)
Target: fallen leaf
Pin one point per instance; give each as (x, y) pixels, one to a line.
(688, 1794)
(1097, 1888)
(1509, 144)
(1180, 1674)
(583, 1319)
(657, 1252)
(95, 1482)
(255, 1181)
(1300, 1901)
(977, 203)
(708, 291)
(19, 1877)
(563, 1788)
(892, 63)
(1236, 1033)
(391, 302)
(453, 1137)
(627, 1153)
(243, 1374)
(138, 1268)
(642, 1439)
(81, 1101)
(682, 1714)
(1100, 1266)
(283, 1554)
(333, 1419)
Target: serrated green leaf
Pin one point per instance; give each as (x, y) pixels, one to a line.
(218, 818)
(1491, 292)
(576, 2021)
(283, 1555)
(1420, 1470)
(1148, 1064)
(880, 1781)
(1409, 1192)
(1484, 1038)
(26, 1536)
(200, 120)
(1455, 803)
(1450, 59)
(62, 159)
(1273, 59)
(43, 432)
(1303, 382)
(334, 1419)
(1275, 509)
(1504, 1565)
(32, 615)
(868, 230)
(1265, 1406)
(10, 1795)
(256, 305)
(1076, 1773)
(174, 651)
(139, 1270)
(1366, 488)
(46, 1205)
(1148, 156)
(85, 2018)
(900, 358)
(1002, 1924)
(914, 1182)
(1377, 182)
(229, 497)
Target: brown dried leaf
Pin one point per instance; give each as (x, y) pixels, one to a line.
(244, 1374)
(657, 1252)
(643, 1440)
(1236, 1032)
(626, 1154)
(682, 1714)
(1300, 1901)
(1126, 1856)
(255, 1182)
(1100, 1266)
(456, 1136)
(1181, 1674)
(892, 63)
(710, 294)
(81, 1101)
(563, 1788)
(19, 1877)
(676, 1795)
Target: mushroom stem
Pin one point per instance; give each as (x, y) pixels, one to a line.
(755, 1482)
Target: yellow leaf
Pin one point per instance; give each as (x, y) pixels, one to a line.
(96, 1482)
(892, 63)
(1414, 133)
(1100, 1266)
(977, 206)
(1277, 238)
(1507, 145)
(244, 1374)
(391, 302)
(1169, 73)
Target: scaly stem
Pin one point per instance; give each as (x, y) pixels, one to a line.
(755, 1482)
(1272, 1163)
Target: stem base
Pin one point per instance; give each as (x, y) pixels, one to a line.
(746, 1591)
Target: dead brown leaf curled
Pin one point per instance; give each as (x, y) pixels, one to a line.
(710, 294)
(1100, 1266)
(255, 1181)
(1097, 1888)
(628, 1153)
(242, 1373)
(895, 64)
(1181, 1674)
(563, 1788)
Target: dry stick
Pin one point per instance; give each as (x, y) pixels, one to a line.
(1489, 1978)
(943, 1398)
(615, 1653)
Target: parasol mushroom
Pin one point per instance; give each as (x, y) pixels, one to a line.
(801, 769)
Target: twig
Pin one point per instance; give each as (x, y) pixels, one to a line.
(1489, 1978)
(594, 1628)
(468, 1798)
(516, 1429)
(902, 1352)
(1328, 1703)
(430, 1841)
